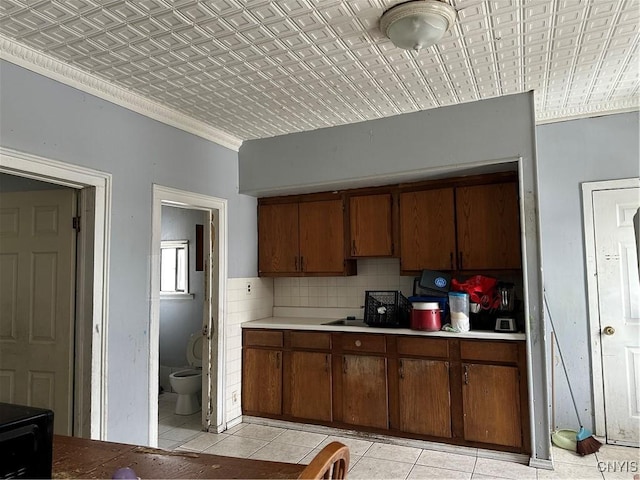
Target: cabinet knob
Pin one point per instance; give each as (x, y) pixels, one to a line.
(358, 343)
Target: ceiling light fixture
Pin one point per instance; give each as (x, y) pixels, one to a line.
(417, 24)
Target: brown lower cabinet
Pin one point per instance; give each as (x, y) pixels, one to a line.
(487, 420)
(463, 392)
(423, 397)
(310, 381)
(262, 381)
(364, 391)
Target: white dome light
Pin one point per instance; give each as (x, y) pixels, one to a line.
(417, 24)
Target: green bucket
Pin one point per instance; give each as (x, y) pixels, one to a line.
(565, 439)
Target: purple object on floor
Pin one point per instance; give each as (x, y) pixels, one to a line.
(125, 472)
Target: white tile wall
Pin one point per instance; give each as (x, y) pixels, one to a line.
(342, 292)
(242, 307)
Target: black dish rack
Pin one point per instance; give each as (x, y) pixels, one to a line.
(388, 308)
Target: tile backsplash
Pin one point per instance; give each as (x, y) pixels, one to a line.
(325, 297)
(342, 292)
(247, 299)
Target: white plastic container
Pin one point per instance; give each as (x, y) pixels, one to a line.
(459, 308)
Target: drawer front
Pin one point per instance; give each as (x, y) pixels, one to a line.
(353, 342)
(489, 351)
(263, 338)
(311, 340)
(423, 347)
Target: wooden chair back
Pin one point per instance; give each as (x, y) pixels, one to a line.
(331, 462)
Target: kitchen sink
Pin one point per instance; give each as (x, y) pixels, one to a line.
(347, 323)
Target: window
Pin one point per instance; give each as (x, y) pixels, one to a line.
(174, 267)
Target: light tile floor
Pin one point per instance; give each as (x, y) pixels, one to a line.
(388, 458)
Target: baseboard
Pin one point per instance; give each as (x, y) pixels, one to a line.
(540, 463)
(234, 422)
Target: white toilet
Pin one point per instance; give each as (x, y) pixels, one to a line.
(188, 383)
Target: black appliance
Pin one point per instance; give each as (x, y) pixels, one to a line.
(433, 286)
(26, 441)
(433, 282)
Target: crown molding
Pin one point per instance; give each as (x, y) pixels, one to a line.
(46, 65)
(588, 111)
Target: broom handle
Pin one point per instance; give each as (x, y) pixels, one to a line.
(544, 294)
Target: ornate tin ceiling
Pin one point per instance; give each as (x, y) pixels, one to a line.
(258, 68)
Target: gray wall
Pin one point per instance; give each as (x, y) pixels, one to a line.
(399, 147)
(180, 317)
(570, 153)
(448, 140)
(43, 117)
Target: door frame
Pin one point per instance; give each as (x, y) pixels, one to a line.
(93, 286)
(216, 283)
(593, 311)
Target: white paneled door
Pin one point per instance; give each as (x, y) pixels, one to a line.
(37, 285)
(619, 307)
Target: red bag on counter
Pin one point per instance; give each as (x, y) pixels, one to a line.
(481, 290)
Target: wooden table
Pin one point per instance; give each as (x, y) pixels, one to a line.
(82, 458)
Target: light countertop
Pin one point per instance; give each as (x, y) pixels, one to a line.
(305, 323)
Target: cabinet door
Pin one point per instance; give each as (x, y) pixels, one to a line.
(262, 381)
(370, 219)
(425, 406)
(491, 404)
(427, 230)
(364, 391)
(488, 226)
(278, 238)
(322, 236)
(311, 390)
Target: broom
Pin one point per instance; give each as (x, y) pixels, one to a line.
(586, 444)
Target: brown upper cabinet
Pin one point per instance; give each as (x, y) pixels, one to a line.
(371, 225)
(488, 226)
(302, 238)
(278, 238)
(463, 223)
(474, 227)
(427, 230)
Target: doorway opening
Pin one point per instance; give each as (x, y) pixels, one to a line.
(38, 236)
(212, 327)
(89, 412)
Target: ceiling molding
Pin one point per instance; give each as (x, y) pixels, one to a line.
(48, 66)
(595, 110)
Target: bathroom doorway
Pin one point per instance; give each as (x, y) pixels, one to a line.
(212, 211)
(182, 302)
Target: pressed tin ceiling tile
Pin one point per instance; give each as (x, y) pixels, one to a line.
(261, 68)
